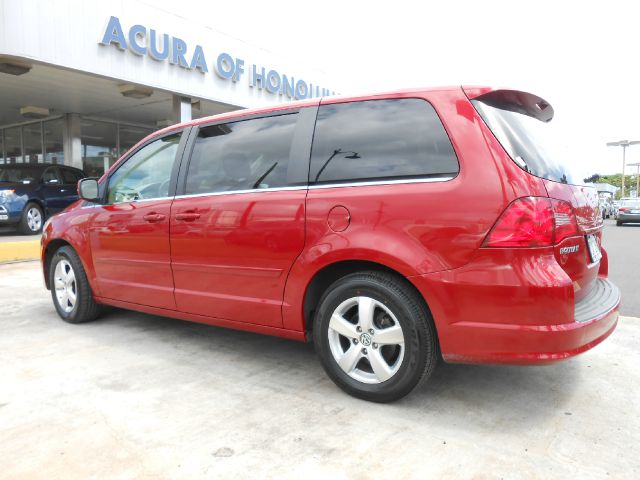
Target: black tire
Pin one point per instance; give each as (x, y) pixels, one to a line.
(85, 308)
(28, 225)
(420, 339)
(619, 223)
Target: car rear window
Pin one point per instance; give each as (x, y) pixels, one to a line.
(8, 174)
(630, 203)
(530, 142)
(380, 139)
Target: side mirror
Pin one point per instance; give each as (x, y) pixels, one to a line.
(88, 189)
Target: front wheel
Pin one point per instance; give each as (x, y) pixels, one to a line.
(374, 336)
(70, 288)
(32, 219)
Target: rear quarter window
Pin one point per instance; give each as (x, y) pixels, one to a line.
(380, 139)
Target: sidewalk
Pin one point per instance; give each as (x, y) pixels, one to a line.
(14, 248)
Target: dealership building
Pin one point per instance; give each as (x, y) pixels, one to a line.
(82, 81)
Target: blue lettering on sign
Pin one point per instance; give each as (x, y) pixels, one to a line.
(198, 60)
(114, 34)
(178, 50)
(134, 32)
(225, 66)
(160, 48)
(154, 52)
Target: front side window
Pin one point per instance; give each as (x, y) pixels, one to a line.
(380, 139)
(243, 155)
(50, 176)
(70, 177)
(146, 174)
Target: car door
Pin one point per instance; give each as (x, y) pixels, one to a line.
(237, 224)
(129, 233)
(52, 190)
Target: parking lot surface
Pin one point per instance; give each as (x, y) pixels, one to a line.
(139, 396)
(623, 245)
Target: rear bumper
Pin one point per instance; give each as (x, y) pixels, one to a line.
(539, 344)
(629, 217)
(528, 318)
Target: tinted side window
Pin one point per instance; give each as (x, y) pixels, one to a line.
(244, 155)
(50, 176)
(380, 139)
(70, 177)
(145, 174)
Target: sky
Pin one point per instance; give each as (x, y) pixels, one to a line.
(581, 56)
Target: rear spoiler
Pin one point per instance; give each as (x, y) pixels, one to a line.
(513, 101)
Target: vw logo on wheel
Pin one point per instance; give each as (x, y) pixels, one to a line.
(365, 339)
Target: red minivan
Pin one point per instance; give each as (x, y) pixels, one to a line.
(390, 230)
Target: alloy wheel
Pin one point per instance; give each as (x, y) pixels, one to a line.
(366, 340)
(64, 280)
(34, 219)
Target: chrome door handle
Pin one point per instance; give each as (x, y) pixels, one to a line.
(153, 217)
(187, 216)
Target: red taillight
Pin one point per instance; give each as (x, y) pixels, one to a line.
(566, 224)
(533, 222)
(623, 209)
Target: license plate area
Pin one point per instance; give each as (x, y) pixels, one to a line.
(594, 249)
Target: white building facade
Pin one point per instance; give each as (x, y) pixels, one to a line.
(82, 81)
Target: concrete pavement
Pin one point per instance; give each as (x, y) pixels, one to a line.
(139, 396)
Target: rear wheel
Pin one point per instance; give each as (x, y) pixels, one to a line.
(618, 223)
(70, 288)
(374, 336)
(31, 220)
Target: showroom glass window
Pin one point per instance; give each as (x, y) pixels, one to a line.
(99, 142)
(104, 142)
(13, 144)
(32, 138)
(53, 141)
(129, 135)
(244, 155)
(146, 174)
(380, 139)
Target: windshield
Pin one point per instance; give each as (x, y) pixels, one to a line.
(18, 175)
(528, 142)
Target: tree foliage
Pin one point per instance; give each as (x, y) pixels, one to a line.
(616, 181)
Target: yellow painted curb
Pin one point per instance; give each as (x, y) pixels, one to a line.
(16, 251)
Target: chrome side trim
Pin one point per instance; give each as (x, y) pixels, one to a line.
(253, 190)
(384, 182)
(300, 187)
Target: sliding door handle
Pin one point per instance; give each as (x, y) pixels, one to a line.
(153, 217)
(187, 216)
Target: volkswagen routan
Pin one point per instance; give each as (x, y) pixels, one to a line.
(390, 230)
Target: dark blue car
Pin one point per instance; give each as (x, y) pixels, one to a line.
(30, 193)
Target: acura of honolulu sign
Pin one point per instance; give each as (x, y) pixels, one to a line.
(142, 41)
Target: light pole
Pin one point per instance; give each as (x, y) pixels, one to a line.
(637, 165)
(624, 144)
